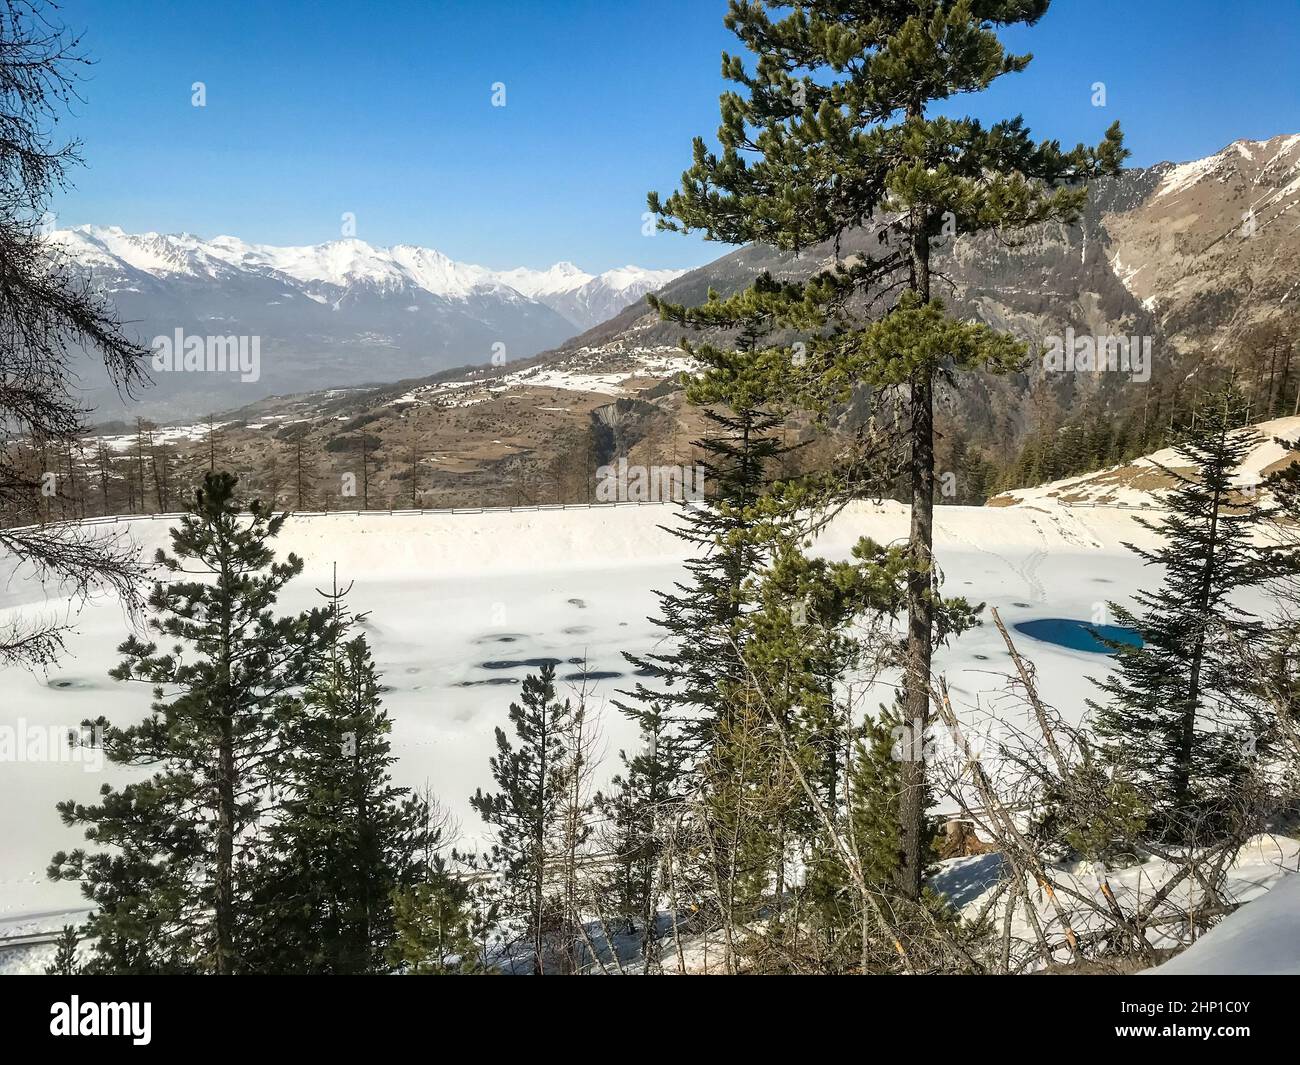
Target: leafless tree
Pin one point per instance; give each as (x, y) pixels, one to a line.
(47, 313)
(1063, 825)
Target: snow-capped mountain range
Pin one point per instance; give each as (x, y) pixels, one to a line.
(338, 313)
(584, 299)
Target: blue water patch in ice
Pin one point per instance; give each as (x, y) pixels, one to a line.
(1079, 635)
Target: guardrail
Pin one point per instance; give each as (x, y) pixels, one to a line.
(1115, 506)
(116, 519)
(33, 939)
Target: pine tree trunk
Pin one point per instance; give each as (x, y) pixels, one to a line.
(223, 887)
(920, 607)
(223, 893)
(1187, 737)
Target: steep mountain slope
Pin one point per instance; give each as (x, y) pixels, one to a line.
(1189, 256)
(1215, 245)
(1146, 480)
(339, 313)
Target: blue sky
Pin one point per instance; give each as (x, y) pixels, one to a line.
(320, 107)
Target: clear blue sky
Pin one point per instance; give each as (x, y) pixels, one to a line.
(317, 107)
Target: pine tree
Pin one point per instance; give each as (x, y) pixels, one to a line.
(433, 929)
(525, 813)
(636, 807)
(442, 921)
(67, 962)
(822, 631)
(831, 136)
(170, 876)
(343, 838)
(1179, 711)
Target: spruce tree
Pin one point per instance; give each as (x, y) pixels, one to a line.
(1180, 711)
(342, 838)
(695, 680)
(637, 807)
(735, 390)
(532, 776)
(829, 134)
(66, 961)
(170, 875)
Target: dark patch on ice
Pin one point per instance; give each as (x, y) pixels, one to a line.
(595, 674)
(1102, 580)
(491, 682)
(413, 669)
(1024, 606)
(581, 604)
(622, 624)
(980, 658)
(577, 630)
(518, 663)
(1080, 636)
(501, 637)
(69, 683)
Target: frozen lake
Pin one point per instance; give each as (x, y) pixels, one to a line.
(462, 606)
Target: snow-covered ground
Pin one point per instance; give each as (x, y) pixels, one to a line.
(574, 374)
(1262, 939)
(462, 605)
(1264, 862)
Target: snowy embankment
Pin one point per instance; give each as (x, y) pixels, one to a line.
(1262, 938)
(461, 606)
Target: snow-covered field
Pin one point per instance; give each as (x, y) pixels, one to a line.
(460, 604)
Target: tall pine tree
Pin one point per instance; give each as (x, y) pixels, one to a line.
(828, 135)
(170, 875)
(533, 775)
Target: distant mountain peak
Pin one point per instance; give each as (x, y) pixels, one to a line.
(582, 298)
(1256, 160)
